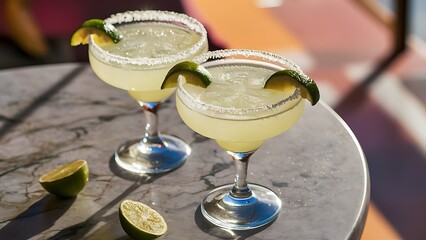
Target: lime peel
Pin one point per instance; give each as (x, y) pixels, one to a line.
(67, 180)
(140, 221)
(286, 78)
(104, 32)
(192, 73)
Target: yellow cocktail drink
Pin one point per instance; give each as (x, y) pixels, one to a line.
(152, 42)
(235, 109)
(240, 98)
(147, 42)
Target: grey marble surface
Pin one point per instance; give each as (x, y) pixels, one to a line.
(54, 114)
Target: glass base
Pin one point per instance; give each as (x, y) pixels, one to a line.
(226, 211)
(139, 157)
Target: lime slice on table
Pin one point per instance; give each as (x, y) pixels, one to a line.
(192, 72)
(289, 78)
(67, 180)
(104, 32)
(140, 221)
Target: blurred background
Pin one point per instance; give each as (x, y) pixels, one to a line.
(367, 56)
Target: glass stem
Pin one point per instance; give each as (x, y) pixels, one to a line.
(151, 128)
(240, 188)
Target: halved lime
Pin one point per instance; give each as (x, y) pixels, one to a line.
(140, 221)
(287, 78)
(103, 31)
(67, 180)
(192, 72)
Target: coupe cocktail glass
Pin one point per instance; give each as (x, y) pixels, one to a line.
(153, 41)
(239, 114)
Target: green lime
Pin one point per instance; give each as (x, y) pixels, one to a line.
(140, 221)
(290, 78)
(67, 180)
(103, 31)
(192, 72)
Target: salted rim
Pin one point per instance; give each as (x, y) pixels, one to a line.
(151, 15)
(243, 54)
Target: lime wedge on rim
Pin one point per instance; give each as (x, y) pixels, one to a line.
(192, 72)
(67, 180)
(140, 221)
(103, 31)
(287, 78)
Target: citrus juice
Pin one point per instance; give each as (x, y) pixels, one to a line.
(147, 43)
(235, 109)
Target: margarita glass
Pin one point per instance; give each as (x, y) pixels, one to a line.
(240, 114)
(153, 41)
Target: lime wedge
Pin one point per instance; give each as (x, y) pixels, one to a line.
(281, 80)
(103, 31)
(67, 180)
(192, 72)
(140, 221)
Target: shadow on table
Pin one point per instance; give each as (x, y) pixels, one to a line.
(37, 218)
(43, 214)
(81, 229)
(11, 122)
(223, 233)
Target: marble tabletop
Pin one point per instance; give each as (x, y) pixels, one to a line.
(54, 114)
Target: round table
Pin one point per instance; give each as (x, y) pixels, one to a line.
(54, 114)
